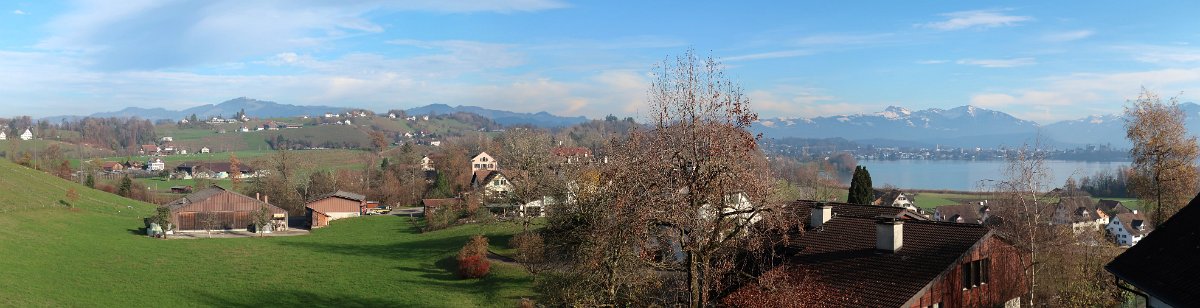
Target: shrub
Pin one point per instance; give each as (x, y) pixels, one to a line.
(526, 303)
(472, 259)
(474, 267)
(441, 218)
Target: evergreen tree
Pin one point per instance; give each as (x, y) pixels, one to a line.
(91, 181)
(126, 187)
(860, 191)
(852, 193)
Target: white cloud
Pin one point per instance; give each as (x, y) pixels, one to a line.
(792, 101)
(770, 55)
(19, 12)
(1062, 97)
(1067, 36)
(1166, 55)
(149, 35)
(975, 19)
(998, 63)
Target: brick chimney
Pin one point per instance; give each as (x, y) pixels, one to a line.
(819, 214)
(889, 234)
(266, 199)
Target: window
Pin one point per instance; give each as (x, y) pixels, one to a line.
(975, 273)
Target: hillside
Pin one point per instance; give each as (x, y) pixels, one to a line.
(94, 257)
(24, 189)
(541, 119)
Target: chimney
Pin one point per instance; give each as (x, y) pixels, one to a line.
(889, 234)
(819, 214)
(266, 199)
(257, 196)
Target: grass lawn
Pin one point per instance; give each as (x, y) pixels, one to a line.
(91, 256)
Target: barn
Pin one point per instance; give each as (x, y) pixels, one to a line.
(216, 208)
(333, 206)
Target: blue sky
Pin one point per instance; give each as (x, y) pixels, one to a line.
(1040, 61)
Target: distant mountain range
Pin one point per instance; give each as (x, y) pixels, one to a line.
(966, 126)
(541, 119)
(268, 109)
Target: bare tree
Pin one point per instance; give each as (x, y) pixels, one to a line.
(525, 153)
(1025, 211)
(1164, 169)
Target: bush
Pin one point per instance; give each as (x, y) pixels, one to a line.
(526, 303)
(474, 267)
(472, 259)
(441, 218)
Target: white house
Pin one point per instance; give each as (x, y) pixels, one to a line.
(894, 198)
(205, 150)
(3, 136)
(1128, 228)
(483, 161)
(426, 163)
(27, 135)
(347, 122)
(435, 143)
(426, 118)
(156, 164)
(167, 139)
(244, 129)
(392, 115)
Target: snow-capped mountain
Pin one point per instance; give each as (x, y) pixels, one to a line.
(961, 126)
(966, 126)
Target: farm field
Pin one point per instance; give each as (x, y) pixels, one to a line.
(92, 256)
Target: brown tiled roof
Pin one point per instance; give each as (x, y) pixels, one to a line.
(843, 254)
(342, 194)
(570, 151)
(1132, 221)
(802, 209)
(1112, 206)
(1164, 263)
(1075, 209)
(970, 213)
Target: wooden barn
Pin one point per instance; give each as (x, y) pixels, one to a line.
(216, 208)
(333, 206)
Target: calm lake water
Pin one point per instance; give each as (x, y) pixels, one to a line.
(965, 175)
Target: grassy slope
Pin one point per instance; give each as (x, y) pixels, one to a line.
(91, 257)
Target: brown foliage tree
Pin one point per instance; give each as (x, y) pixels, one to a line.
(1164, 155)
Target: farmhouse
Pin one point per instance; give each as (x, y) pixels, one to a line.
(894, 198)
(149, 149)
(483, 161)
(1127, 229)
(427, 163)
(204, 150)
(218, 209)
(1163, 265)
(112, 166)
(493, 183)
(971, 213)
(27, 135)
(1113, 207)
(333, 206)
(3, 136)
(871, 256)
(156, 164)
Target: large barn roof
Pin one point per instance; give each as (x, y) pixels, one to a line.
(1163, 264)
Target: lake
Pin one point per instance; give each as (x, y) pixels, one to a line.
(966, 175)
